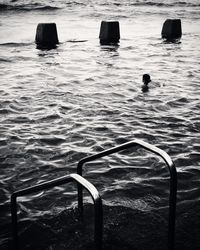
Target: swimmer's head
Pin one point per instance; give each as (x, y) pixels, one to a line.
(146, 78)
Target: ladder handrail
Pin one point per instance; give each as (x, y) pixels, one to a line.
(98, 211)
(173, 179)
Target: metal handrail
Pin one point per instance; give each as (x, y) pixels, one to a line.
(173, 179)
(98, 211)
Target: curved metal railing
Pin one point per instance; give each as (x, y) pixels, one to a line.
(98, 212)
(173, 179)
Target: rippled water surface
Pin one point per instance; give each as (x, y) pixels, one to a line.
(58, 106)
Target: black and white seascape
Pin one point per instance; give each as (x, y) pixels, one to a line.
(60, 105)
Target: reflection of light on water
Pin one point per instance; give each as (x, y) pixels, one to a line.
(30, 197)
(121, 183)
(145, 204)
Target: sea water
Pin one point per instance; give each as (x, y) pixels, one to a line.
(58, 106)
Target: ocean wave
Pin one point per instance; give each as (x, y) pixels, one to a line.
(165, 4)
(11, 44)
(5, 60)
(151, 3)
(27, 7)
(12, 6)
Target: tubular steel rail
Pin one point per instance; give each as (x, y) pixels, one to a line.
(98, 212)
(173, 179)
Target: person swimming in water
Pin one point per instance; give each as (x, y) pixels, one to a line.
(146, 80)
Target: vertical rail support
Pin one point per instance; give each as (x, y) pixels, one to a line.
(14, 222)
(98, 210)
(172, 208)
(173, 179)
